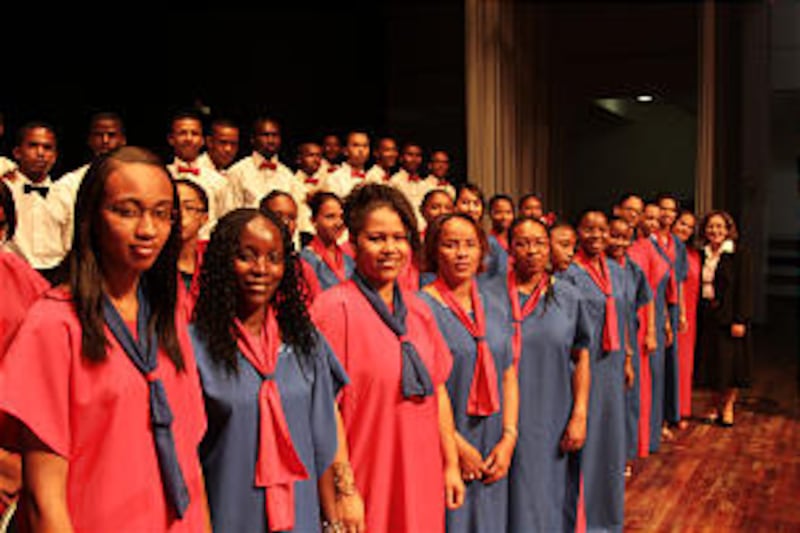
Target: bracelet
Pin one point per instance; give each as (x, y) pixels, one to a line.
(343, 480)
(334, 526)
(511, 431)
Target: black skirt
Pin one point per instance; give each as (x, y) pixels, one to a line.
(724, 362)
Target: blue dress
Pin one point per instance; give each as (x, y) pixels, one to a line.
(603, 456)
(327, 278)
(637, 294)
(228, 451)
(484, 506)
(543, 481)
(671, 355)
(496, 262)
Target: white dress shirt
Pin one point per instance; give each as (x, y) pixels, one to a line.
(414, 190)
(6, 165)
(212, 182)
(343, 180)
(40, 236)
(376, 174)
(64, 193)
(444, 185)
(310, 186)
(253, 177)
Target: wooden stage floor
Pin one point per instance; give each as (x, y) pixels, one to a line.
(745, 478)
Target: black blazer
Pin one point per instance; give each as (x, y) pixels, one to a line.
(733, 294)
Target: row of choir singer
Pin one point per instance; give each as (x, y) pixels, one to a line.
(404, 380)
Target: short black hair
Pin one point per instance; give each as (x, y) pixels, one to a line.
(32, 125)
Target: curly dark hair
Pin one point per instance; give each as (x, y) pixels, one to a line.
(433, 238)
(365, 198)
(216, 305)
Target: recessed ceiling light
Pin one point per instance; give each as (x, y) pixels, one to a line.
(644, 98)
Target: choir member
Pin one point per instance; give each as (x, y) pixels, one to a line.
(638, 304)
(222, 146)
(41, 236)
(331, 153)
(643, 252)
(408, 180)
(687, 339)
(283, 205)
(725, 308)
(106, 133)
(601, 282)
(501, 213)
(530, 205)
(269, 382)
(396, 409)
(551, 335)
(186, 139)
(630, 208)
(674, 251)
(385, 160)
(435, 204)
(253, 177)
(194, 214)
(563, 240)
(439, 177)
(330, 264)
(353, 171)
(470, 201)
(482, 385)
(110, 379)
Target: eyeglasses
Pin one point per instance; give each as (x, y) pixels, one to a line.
(192, 209)
(161, 214)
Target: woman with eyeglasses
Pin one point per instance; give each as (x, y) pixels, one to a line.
(101, 377)
(550, 347)
(194, 215)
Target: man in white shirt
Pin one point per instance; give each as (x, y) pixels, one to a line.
(331, 153)
(408, 180)
(39, 237)
(106, 133)
(258, 174)
(385, 161)
(439, 167)
(352, 172)
(186, 139)
(310, 175)
(222, 146)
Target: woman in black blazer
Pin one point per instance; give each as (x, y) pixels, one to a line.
(726, 308)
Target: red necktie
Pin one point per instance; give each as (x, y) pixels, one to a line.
(269, 165)
(518, 314)
(413, 177)
(189, 170)
(358, 174)
(333, 168)
(602, 278)
(278, 466)
(484, 398)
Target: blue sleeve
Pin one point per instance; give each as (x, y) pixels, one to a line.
(329, 378)
(681, 261)
(583, 327)
(644, 294)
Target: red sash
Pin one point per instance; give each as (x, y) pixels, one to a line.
(602, 278)
(278, 466)
(484, 398)
(336, 264)
(518, 314)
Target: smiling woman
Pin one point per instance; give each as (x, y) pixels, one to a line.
(110, 379)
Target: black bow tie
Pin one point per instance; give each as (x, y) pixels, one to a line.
(41, 189)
